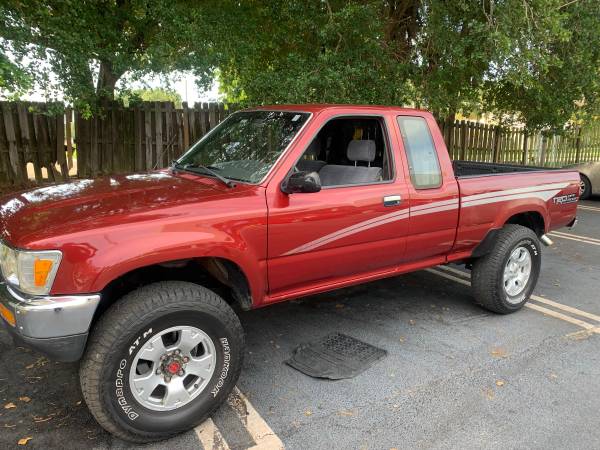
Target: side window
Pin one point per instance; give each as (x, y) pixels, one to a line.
(423, 162)
(349, 151)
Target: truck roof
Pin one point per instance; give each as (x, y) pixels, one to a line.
(320, 107)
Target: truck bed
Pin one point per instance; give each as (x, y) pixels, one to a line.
(463, 169)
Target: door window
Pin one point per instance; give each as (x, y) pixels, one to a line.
(423, 162)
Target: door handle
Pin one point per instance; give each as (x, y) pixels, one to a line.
(392, 200)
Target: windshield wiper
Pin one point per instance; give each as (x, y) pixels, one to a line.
(190, 167)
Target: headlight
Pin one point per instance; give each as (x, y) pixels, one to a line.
(31, 272)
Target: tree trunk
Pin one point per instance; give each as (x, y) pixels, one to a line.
(107, 79)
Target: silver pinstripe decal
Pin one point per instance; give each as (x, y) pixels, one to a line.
(543, 192)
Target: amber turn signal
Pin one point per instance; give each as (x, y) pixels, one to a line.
(8, 315)
(41, 270)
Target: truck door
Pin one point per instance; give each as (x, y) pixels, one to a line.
(433, 189)
(357, 223)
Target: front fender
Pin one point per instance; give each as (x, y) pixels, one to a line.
(103, 258)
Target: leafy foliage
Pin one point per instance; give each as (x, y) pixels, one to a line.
(90, 44)
(533, 61)
(529, 60)
(129, 97)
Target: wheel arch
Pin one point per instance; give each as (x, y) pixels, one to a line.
(533, 220)
(222, 275)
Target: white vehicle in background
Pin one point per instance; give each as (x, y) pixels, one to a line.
(590, 178)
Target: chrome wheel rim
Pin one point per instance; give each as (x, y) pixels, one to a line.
(172, 368)
(581, 187)
(517, 272)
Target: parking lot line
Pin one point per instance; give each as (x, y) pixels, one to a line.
(575, 237)
(263, 436)
(588, 208)
(210, 436)
(443, 272)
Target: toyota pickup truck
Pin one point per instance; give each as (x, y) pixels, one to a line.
(139, 276)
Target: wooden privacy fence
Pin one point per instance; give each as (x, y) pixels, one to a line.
(473, 141)
(36, 145)
(141, 138)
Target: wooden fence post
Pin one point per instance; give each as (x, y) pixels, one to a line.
(13, 151)
(578, 146)
(525, 136)
(496, 144)
(148, 135)
(463, 139)
(186, 127)
(543, 151)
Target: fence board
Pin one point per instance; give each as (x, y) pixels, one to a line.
(149, 135)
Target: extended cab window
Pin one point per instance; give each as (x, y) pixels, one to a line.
(348, 151)
(423, 162)
(245, 146)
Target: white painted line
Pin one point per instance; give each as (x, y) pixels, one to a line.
(566, 308)
(537, 298)
(585, 241)
(210, 436)
(557, 315)
(561, 316)
(260, 431)
(449, 277)
(589, 208)
(577, 236)
(456, 271)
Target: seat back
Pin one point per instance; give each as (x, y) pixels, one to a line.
(364, 151)
(312, 164)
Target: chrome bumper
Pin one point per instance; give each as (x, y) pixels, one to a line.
(50, 324)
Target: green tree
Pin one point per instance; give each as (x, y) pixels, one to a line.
(510, 57)
(90, 44)
(150, 95)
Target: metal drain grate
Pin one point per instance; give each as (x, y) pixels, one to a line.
(335, 356)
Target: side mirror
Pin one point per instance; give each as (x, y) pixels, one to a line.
(299, 182)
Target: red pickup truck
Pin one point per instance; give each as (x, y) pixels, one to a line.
(138, 275)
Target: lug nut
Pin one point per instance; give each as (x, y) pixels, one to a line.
(157, 371)
(167, 379)
(180, 373)
(186, 359)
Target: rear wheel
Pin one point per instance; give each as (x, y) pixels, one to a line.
(161, 360)
(585, 187)
(504, 279)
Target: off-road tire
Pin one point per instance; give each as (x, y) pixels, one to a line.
(157, 306)
(488, 271)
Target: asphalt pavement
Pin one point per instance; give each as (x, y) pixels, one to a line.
(455, 376)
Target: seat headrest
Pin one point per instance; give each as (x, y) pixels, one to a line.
(314, 149)
(363, 150)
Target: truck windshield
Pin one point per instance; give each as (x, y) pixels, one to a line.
(245, 146)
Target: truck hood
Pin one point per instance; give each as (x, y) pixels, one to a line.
(38, 214)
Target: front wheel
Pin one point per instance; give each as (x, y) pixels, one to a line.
(161, 360)
(504, 279)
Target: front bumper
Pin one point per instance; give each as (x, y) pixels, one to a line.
(56, 326)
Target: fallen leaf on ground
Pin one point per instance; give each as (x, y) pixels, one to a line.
(339, 306)
(499, 382)
(24, 440)
(553, 375)
(25, 399)
(10, 405)
(412, 322)
(489, 393)
(345, 413)
(499, 352)
(308, 412)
